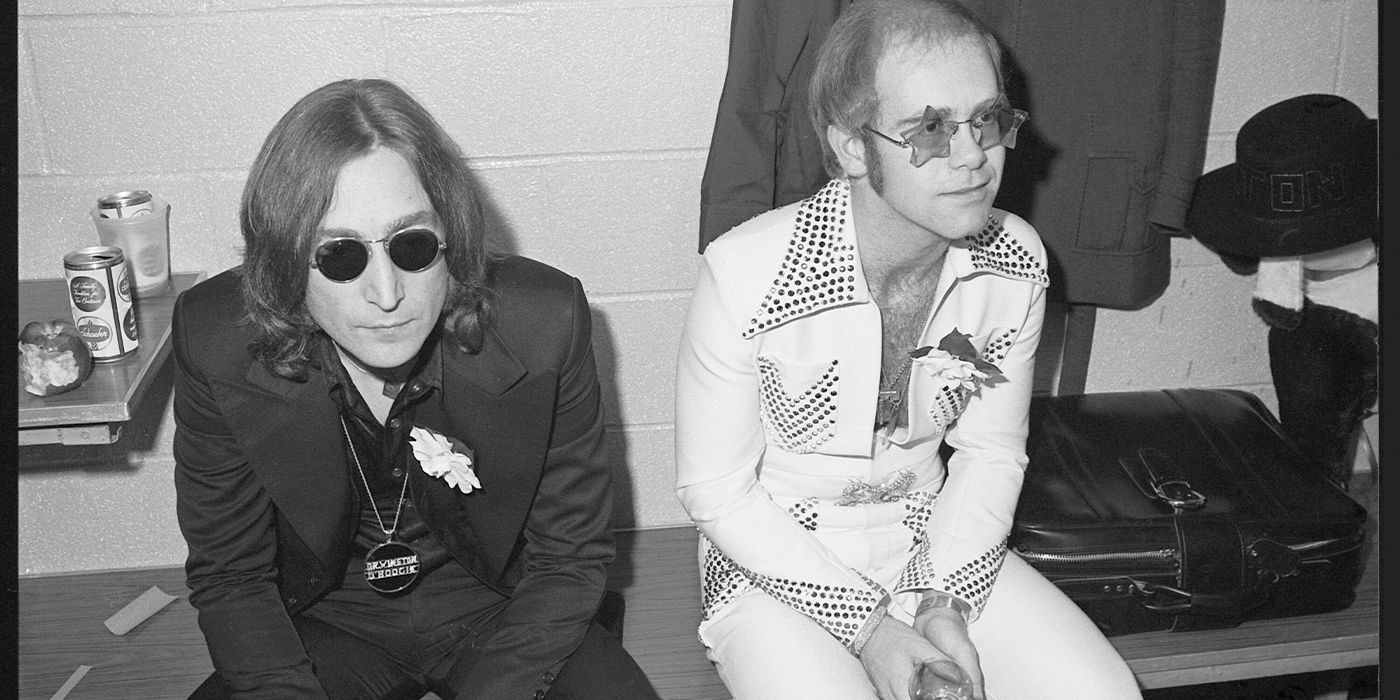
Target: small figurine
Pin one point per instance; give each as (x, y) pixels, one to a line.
(1299, 209)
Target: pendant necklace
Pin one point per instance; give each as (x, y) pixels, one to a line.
(391, 566)
(892, 396)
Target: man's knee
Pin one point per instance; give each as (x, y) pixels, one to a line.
(601, 669)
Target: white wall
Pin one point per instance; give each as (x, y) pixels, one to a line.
(588, 121)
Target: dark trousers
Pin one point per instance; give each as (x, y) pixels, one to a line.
(364, 645)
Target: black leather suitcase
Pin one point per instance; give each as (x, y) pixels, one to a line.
(1182, 509)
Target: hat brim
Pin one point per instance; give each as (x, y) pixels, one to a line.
(1217, 222)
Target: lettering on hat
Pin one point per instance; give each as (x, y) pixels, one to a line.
(1288, 192)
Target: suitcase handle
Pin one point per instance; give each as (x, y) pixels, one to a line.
(1159, 478)
(1169, 599)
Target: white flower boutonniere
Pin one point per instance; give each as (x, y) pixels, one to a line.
(955, 361)
(438, 458)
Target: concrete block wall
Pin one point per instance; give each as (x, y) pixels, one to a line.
(588, 122)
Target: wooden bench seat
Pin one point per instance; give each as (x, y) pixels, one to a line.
(60, 628)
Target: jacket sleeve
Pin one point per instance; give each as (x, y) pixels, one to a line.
(228, 524)
(966, 534)
(719, 443)
(568, 542)
(764, 152)
(1195, 55)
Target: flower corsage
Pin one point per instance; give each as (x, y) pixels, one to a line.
(955, 361)
(444, 458)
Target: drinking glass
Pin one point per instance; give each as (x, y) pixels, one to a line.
(940, 680)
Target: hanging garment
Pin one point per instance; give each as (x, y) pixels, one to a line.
(764, 152)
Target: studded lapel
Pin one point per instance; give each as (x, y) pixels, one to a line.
(821, 266)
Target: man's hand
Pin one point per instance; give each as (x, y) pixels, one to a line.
(945, 629)
(890, 656)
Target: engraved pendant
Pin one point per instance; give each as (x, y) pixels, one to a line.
(391, 567)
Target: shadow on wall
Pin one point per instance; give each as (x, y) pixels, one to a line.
(605, 352)
(501, 237)
(624, 515)
(1030, 166)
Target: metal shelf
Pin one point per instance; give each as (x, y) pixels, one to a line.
(93, 413)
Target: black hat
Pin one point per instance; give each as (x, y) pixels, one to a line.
(1303, 181)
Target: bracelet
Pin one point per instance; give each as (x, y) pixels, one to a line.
(858, 644)
(943, 600)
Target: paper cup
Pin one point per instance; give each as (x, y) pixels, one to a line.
(145, 240)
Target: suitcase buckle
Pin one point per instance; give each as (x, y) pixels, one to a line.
(1157, 475)
(1273, 561)
(1160, 598)
(1178, 494)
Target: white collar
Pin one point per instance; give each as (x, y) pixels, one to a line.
(821, 267)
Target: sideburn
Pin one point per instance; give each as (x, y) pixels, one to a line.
(874, 164)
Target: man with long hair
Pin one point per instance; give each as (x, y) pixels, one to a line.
(390, 468)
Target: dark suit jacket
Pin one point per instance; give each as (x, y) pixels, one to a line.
(764, 152)
(268, 506)
(1120, 98)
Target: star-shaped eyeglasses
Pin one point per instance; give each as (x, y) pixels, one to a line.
(932, 137)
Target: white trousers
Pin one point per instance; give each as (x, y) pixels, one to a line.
(1034, 644)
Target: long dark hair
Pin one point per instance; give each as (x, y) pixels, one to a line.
(291, 185)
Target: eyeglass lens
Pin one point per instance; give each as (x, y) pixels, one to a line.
(344, 259)
(933, 137)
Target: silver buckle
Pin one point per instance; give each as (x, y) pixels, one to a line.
(1178, 494)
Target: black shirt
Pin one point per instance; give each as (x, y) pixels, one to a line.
(385, 456)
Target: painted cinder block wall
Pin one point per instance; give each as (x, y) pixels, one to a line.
(588, 122)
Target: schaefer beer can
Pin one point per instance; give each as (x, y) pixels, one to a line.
(124, 205)
(99, 291)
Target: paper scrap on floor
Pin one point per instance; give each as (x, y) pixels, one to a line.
(136, 612)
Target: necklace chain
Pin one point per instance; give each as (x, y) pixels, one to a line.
(389, 531)
(903, 367)
(894, 390)
(891, 396)
(893, 393)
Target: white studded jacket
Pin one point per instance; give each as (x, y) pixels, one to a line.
(777, 379)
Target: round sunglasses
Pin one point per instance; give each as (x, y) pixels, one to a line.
(344, 258)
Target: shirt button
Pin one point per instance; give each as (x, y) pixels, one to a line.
(397, 473)
(539, 695)
(548, 677)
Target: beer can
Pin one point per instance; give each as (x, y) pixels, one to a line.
(126, 204)
(99, 292)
